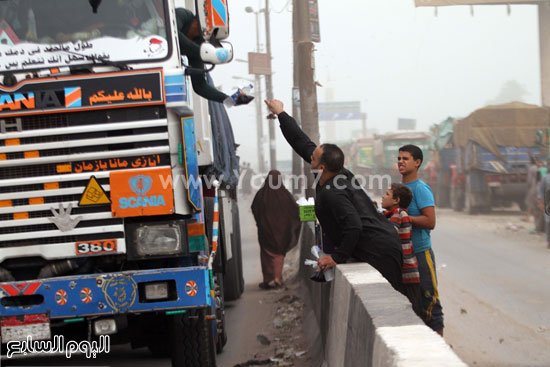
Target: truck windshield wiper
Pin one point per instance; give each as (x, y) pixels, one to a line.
(97, 60)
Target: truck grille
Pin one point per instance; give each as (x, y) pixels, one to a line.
(47, 160)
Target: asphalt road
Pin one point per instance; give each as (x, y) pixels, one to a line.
(494, 288)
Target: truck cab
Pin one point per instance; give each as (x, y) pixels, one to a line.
(108, 210)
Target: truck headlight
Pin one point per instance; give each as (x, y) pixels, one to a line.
(158, 240)
(105, 327)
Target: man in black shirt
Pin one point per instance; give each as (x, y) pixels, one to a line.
(190, 38)
(346, 213)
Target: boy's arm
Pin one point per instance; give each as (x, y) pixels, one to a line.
(426, 220)
(405, 226)
(425, 202)
(395, 220)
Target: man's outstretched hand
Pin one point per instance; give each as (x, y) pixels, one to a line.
(326, 262)
(275, 106)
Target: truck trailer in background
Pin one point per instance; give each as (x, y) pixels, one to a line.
(492, 149)
(362, 156)
(441, 146)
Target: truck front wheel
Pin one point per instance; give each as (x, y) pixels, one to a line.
(469, 197)
(191, 339)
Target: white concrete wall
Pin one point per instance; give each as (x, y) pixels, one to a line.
(360, 320)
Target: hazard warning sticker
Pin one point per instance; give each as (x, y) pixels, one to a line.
(94, 194)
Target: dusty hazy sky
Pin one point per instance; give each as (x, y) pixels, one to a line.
(398, 60)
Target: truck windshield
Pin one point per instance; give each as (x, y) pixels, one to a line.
(37, 34)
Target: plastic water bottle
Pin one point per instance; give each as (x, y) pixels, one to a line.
(232, 100)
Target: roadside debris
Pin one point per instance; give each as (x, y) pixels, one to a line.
(254, 362)
(263, 339)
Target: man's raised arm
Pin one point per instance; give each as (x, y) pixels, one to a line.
(297, 139)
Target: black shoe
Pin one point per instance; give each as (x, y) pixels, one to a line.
(264, 285)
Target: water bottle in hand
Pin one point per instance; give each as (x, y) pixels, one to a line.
(240, 97)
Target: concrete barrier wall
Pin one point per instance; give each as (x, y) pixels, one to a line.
(360, 320)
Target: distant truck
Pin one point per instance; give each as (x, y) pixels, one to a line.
(491, 155)
(362, 156)
(441, 146)
(386, 149)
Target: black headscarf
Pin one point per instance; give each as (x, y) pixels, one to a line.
(184, 19)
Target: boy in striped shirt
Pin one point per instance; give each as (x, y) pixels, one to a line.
(395, 200)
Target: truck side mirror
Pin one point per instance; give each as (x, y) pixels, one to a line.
(220, 54)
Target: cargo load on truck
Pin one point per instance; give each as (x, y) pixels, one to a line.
(493, 146)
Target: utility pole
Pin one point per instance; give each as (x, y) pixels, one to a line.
(308, 90)
(259, 102)
(544, 42)
(269, 90)
(296, 159)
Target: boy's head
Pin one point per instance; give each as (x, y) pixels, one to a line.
(397, 195)
(409, 159)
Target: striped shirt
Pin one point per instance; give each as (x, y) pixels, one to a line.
(402, 223)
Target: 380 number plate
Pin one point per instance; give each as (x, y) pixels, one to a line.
(95, 247)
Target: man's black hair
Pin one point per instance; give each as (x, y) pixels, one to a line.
(332, 157)
(403, 193)
(415, 151)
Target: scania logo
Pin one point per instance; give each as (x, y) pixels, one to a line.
(140, 184)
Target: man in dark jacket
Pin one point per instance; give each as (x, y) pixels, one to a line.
(190, 38)
(346, 213)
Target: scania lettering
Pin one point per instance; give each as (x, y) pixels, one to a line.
(143, 201)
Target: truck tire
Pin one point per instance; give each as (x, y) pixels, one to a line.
(191, 340)
(221, 331)
(469, 199)
(233, 280)
(238, 244)
(232, 289)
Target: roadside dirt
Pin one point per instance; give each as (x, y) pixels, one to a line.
(279, 339)
(264, 326)
(506, 223)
